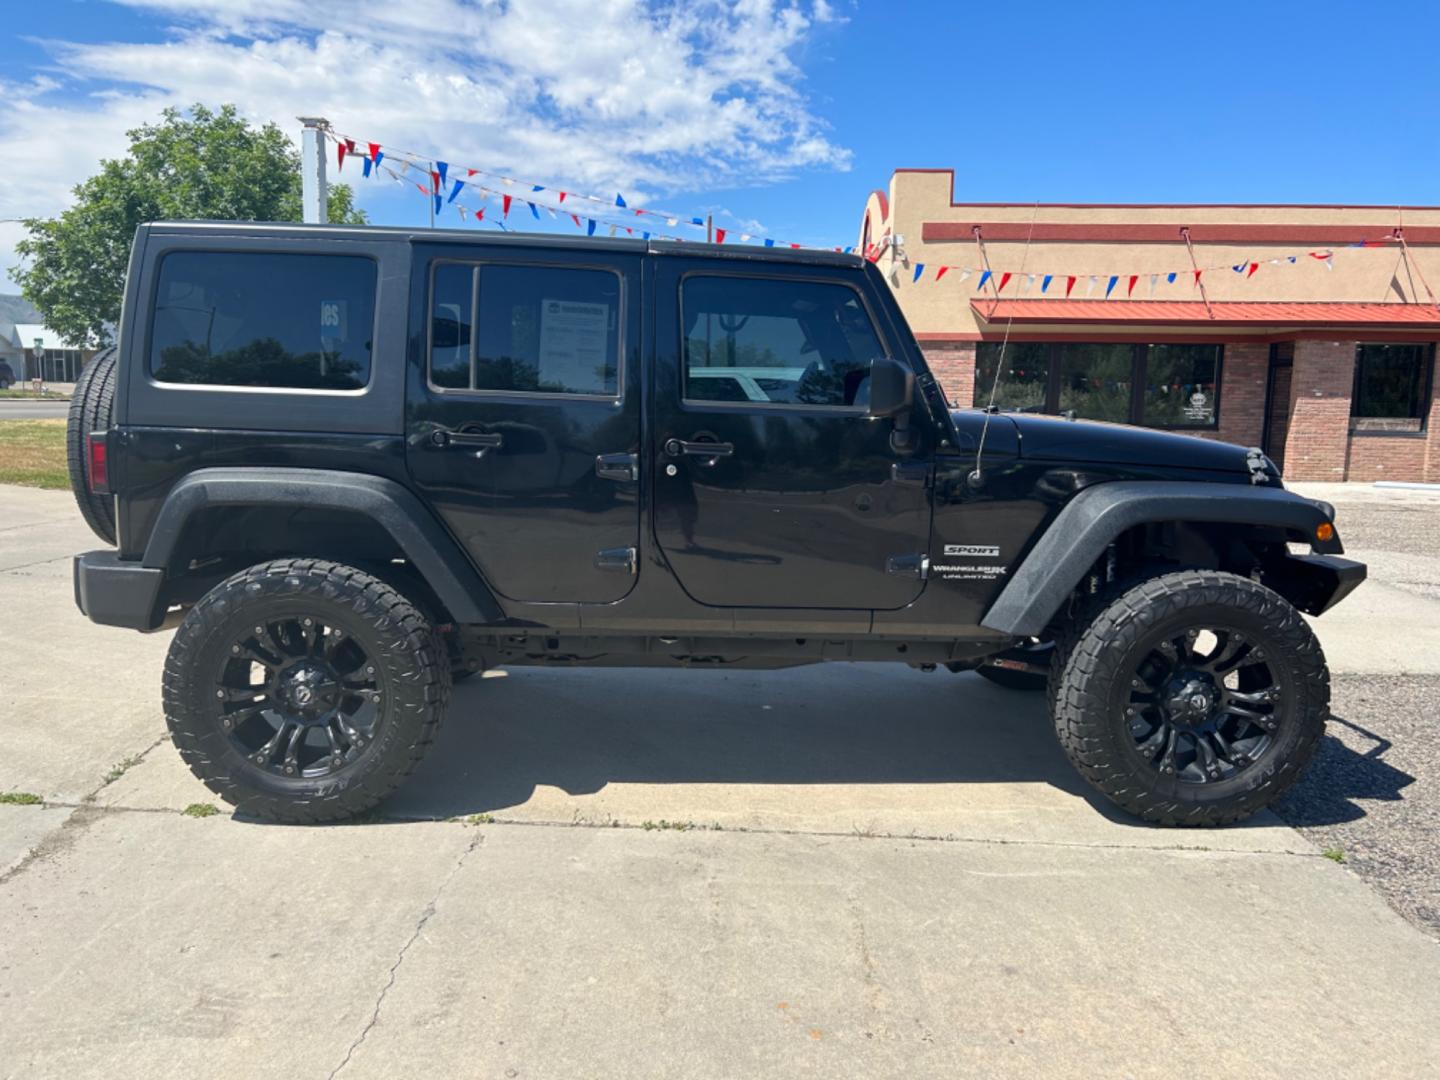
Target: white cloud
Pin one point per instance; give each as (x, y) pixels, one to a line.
(641, 97)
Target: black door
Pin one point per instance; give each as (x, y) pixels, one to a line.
(1277, 402)
(523, 417)
(772, 486)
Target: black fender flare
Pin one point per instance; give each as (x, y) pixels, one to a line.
(414, 528)
(1093, 519)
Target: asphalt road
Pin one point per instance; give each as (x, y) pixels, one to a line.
(833, 871)
(32, 409)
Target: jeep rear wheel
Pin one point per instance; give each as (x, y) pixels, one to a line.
(1194, 698)
(91, 407)
(304, 691)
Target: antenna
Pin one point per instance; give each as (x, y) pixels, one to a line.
(976, 479)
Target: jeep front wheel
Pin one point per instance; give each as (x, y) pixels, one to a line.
(304, 691)
(1193, 698)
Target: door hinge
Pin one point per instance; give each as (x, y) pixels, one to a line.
(916, 566)
(617, 559)
(910, 473)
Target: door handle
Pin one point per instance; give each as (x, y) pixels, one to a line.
(622, 467)
(466, 440)
(678, 447)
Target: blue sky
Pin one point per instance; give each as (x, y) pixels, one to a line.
(778, 117)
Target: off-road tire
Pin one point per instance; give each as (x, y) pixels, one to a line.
(91, 408)
(412, 671)
(1091, 679)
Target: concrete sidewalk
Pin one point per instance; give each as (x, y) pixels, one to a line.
(906, 879)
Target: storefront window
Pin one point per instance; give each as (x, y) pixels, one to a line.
(1025, 384)
(1180, 383)
(1095, 380)
(1392, 388)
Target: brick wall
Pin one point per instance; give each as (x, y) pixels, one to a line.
(1243, 373)
(1318, 441)
(953, 365)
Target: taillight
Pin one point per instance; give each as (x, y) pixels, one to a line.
(99, 471)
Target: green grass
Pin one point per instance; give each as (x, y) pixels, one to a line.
(201, 809)
(1334, 854)
(30, 395)
(32, 453)
(20, 798)
(120, 768)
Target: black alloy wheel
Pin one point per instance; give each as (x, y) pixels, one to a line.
(298, 697)
(1204, 705)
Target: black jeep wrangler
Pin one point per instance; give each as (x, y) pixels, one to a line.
(352, 465)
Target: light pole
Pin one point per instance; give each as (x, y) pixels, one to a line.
(40, 361)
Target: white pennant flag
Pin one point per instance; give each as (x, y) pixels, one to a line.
(1027, 283)
(1090, 285)
(964, 273)
(612, 230)
(1154, 278)
(551, 212)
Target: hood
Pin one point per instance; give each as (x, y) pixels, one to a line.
(1092, 442)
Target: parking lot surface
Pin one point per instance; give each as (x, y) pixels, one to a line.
(840, 870)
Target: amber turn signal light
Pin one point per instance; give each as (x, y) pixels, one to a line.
(1325, 531)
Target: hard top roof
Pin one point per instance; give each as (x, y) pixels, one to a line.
(509, 239)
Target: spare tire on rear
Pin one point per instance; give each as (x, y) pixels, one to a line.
(91, 407)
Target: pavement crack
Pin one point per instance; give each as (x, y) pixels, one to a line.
(425, 916)
(37, 562)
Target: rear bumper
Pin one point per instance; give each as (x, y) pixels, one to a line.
(113, 592)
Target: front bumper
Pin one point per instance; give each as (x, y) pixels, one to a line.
(1315, 583)
(113, 592)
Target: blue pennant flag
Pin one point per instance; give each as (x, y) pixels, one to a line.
(849, 249)
(619, 199)
(919, 269)
(697, 221)
(455, 190)
(1046, 283)
(1292, 258)
(1113, 279)
(589, 226)
(538, 187)
(769, 243)
(983, 279)
(365, 164)
(439, 202)
(442, 169)
(379, 157)
(1170, 278)
(1239, 268)
(646, 235)
(533, 212)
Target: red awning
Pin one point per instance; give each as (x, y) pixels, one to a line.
(1194, 313)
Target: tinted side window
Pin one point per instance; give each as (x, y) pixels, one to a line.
(540, 329)
(264, 319)
(771, 340)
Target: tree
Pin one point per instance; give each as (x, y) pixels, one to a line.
(200, 164)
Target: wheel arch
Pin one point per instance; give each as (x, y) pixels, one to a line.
(1219, 526)
(355, 517)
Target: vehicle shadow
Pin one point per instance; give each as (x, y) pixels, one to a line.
(581, 729)
(1341, 774)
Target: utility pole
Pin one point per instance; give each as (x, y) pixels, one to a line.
(315, 192)
(709, 228)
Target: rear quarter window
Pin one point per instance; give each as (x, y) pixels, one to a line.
(264, 319)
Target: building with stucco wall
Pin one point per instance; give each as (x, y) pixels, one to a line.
(1311, 330)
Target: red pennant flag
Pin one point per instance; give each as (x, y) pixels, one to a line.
(719, 236)
(1197, 276)
(505, 206)
(374, 150)
(941, 272)
(1131, 291)
(1069, 284)
(435, 181)
(340, 155)
(1004, 280)
(629, 231)
(1251, 272)
(794, 245)
(575, 218)
(469, 173)
(562, 197)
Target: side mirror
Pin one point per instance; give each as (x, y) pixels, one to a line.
(892, 387)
